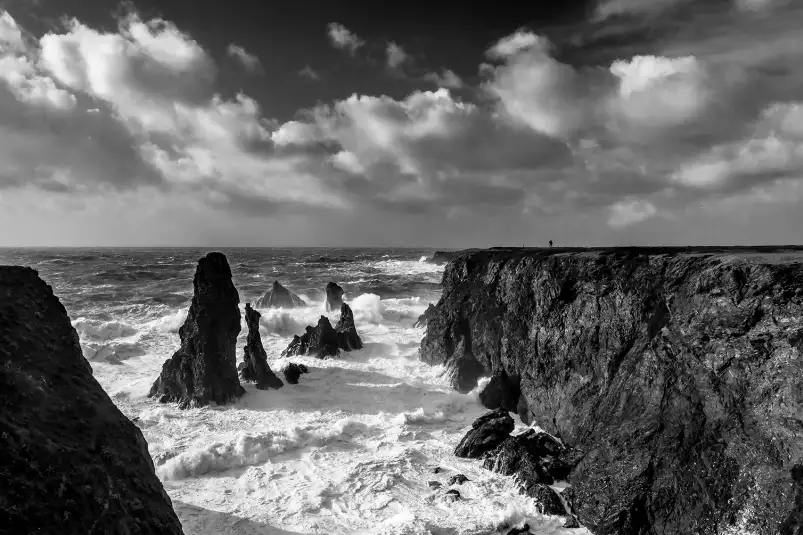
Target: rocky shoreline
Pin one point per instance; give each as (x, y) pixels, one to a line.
(673, 374)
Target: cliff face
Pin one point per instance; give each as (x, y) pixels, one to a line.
(71, 462)
(679, 377)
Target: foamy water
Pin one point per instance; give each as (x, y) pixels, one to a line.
(350, 449)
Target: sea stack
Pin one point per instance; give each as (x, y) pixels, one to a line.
(279, 297)
(255, 367)
(348, 338)
(204, 369)
(320, 341)
(71, 461)
(334, 297)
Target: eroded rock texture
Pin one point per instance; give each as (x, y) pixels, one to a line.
(334, 297)
(293, 371)
(71, 462)
(279, 297)
(320, 341)
(204, 369)
(422, 319)
(487, 432)
(348, 339)
(676, 376)
(254, 368)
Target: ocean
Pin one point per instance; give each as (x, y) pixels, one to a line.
(351, 449)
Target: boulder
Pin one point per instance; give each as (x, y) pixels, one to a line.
(321, 341)
(452, 495)
(254, 368)
(502, 391)
(534, 456)
(279, 297)
(348, 339)
(71, 462)
(520, 531)
(334, 297)
(204, 369)
(422, 319)
(486, 434)
(548, 500)
(293, 371)
(457, 479)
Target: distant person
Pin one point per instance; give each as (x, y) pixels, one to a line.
(550, 243)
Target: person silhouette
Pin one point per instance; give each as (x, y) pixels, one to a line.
(550, 243)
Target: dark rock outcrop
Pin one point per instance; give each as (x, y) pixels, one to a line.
(452, 495)
(204, 369)
(502, 391)
(334, 297)
(71, 462)
(347, 336)
(520, 531)
(675, 375)
(279, 297)
(254, 368)
(535, 457)
(548, 500)
(320, 341)
(457, 479)
(422, 319)
(293, 371)
(487, 432)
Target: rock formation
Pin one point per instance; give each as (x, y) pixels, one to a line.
(293, 371)
(320, 341)
(674, 375)
(347, 336)
(502, 391)
(487, 432)
(254, 368)
(422, 319)
(71, 462)
(204, 369)
(334, 297)
(279, 297)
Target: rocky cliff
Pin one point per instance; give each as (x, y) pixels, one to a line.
(71, 462)
(676, 374)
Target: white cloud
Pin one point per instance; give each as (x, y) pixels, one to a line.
(248, 60)
(609, 8)
(28, 86)
(396, 55)
(629, 212)
(342, 37)
(348, 161)
(10, 33)
(519, 42)
(445, 78)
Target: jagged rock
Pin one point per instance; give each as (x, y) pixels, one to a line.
(572, 522)
(255, 367)
(293, 371)
(674, 373)
(279, 297)
(334, 297)
(534, 456)
(422, 319)
(204, 369)
(457, 479)
(502, 391)
(434, 484)
(487, 432)
(71, 462)
(321, 341)
(452, 495)
(520, 531)
(548, 500)
(347, 336)
(437, 470)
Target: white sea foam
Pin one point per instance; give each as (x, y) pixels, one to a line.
(169, 323)
(103, 330)
(367, 308)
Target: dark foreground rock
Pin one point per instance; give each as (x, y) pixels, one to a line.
(279, 297)
(334, 297)
(502, 391)
(320, 341)
(486, 434)
(204, 369)
(347, 336)
(423, 318)
(457, 479)
(254, 368)
(675, 375)
(71, 462)
(293, 371)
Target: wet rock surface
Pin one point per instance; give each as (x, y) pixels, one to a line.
(204, 369)
(293, 371)
(347, 336)
(673, 376)
(502, 391)
(279, 297)
(255, 368)
(487, 432)
(457, 479)
(334, 297)
(71, 462)
(320, 341)
(423, 318)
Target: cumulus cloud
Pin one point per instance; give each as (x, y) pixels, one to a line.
(248, 60)
(629, 212)
(10, 33)
(341, 37)
(396, 55)
(446, 78)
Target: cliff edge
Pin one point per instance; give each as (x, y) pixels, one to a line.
(71, 462)
(676, 374)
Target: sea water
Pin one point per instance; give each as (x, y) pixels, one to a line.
(350, 449)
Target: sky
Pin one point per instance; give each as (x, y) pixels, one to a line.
(422, 124)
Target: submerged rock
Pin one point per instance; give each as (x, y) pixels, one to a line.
(423, 318)
(457, 479)
(293, 371)
(348, 339)
(486, 434)
(204, 369)
(255, 367)
(520, 531)
(321, 341)
(279, 297)
(453, 495)
(71, 462)
(334, 297)
(674, 373)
